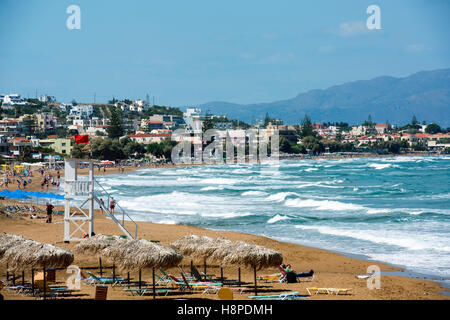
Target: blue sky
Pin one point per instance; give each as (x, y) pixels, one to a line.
(192, 52)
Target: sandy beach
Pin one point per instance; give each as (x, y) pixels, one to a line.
(332, 270)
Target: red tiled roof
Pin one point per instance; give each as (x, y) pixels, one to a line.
(149, 135)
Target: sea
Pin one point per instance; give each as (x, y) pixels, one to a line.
(391, 209)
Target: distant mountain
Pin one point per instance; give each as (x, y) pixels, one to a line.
(425, 94)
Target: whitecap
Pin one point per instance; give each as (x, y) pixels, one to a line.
(277, 218)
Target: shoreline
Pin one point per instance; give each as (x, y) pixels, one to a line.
(388, 270)
(331, 268)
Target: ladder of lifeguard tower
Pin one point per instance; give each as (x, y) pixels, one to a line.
(84, 190)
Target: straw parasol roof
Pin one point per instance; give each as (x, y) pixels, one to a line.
(9, 240)
(95, 245)
(32, 254)
(199, 246)
(246, 254)
(139, 254)
(189, 245)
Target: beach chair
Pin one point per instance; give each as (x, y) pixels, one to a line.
(216, 288)
(142, 292)
(161, 280)
(335, 291)
(103, 280)
(167, 276)
(50, 291)
(206, 277)
(281, 296)
(270, 277)
(184, 285)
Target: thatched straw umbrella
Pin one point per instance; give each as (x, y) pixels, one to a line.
(245, 254)
(139, 254)
(198, 246)
(95, 245)
(33, 254)
(8, 241)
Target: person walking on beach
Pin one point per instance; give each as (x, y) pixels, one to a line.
(112, 205)
(49, 212)
(102, 204)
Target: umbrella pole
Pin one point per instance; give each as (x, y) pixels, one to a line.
(14, 278)
(154, 289)
(23, 278)
(221, 273)
(204, 266)
(32, 280)
(45, 285)
(140, 279)
(239, 276)
(128, 279)
(100, 265)
(254, 273)
(7, 273)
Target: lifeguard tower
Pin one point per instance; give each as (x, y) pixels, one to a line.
(79, 192)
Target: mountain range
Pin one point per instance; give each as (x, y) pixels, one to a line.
(424, 94)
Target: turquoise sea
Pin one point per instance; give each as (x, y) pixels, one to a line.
(394, 210)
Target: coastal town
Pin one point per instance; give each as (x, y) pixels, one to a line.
(38, 129)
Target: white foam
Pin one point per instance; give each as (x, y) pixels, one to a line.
(277, 218)
(322, 204)
(311, 169)
(211, 188)
(379, 166)
(280, 196)
(381, 237)
(253, 193)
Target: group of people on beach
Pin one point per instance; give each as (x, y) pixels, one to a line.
(49, 179)
(22, 178)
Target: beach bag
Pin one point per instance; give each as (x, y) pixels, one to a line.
(291, 277)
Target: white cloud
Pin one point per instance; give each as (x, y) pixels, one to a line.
(270, 36)
(276, 58)
(416, 47)
(352, 28)
(326, 49)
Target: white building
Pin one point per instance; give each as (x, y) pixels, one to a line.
(12, 99)
(83, 111)
(192, 119)
(47, 99)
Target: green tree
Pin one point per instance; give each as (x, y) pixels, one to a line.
(414, 121)
(107, 149)
(307, 129)
(115, 129)
(285, 146)
(80, 151)
(433, 128)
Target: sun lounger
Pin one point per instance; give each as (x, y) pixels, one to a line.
(335, 291)
(215, 289)
(184, 285)
(142, 292)
(281, 296)
(103, 280)
(167, 276)
(270, 278)
(162, 280)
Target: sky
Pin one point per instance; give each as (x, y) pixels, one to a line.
(193, 52)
